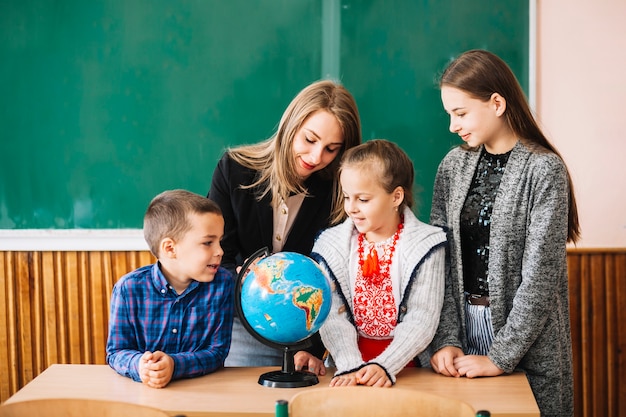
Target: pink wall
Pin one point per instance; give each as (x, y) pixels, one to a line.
(581, 103)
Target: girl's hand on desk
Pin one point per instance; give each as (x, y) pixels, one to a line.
(372, 376)
(304, 361)
(476, 365)
(344, 380)
(442, 361)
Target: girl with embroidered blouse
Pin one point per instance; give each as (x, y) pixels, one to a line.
(387, 268)
(505, 198)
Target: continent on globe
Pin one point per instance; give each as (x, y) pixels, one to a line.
(310, 300)
(268, 275)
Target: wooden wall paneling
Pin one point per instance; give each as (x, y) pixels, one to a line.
(35, 272)
(598, 313)
(24, 319)
(99, 266)
(586, 342)
(575, 304)
(49, 308)
(599, 321)
(56, 307)
(70, 280)
(83, 305)
(61, 315)
(611, 380)
(7, 331)
(620, 322)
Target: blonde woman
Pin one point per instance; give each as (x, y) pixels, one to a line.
(280, 193)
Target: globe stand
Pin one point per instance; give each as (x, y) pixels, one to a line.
(287, 377)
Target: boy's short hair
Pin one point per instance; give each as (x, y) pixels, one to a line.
(168, 216)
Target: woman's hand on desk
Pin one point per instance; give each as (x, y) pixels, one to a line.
(156, 369)
(304, 361)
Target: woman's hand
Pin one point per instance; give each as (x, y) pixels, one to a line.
(304, 361)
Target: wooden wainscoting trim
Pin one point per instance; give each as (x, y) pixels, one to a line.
(597, 285)
(56, 309)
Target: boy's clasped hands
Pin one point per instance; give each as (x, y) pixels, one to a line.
(156, 369)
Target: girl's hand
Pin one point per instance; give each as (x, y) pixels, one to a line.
(373, 376)
(344, 380)
(476, 365)
(443, 361)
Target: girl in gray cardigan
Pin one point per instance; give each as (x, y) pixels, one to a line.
(505, 198)
(387, 268)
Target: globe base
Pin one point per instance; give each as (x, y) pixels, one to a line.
(281, 379)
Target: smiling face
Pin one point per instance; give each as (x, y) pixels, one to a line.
(369, 205)
(478, 122)
(317, 143)
(197, 255)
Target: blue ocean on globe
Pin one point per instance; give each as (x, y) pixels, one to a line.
(285, 297)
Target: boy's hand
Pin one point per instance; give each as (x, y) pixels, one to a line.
(156, 369)
(145, 359)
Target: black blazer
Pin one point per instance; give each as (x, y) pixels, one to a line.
(248, 223)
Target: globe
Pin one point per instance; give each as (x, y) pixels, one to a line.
(282, 300)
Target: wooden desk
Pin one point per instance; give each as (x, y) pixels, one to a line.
(236, 392)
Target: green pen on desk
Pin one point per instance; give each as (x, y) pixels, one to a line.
(282, 408)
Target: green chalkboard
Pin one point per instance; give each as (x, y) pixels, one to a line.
(105, 103)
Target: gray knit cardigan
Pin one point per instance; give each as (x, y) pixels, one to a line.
(527, 268)
(421, 253)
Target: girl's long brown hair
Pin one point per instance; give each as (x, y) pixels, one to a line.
(481, 73)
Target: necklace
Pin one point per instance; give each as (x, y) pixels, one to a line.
(372, 267)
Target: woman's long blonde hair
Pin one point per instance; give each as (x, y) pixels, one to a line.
(273, 158)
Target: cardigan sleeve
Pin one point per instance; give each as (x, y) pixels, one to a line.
(449, 329)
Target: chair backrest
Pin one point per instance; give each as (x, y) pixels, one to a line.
(77, 407)
(362, 401)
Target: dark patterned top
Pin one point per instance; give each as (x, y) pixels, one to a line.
(476, 221)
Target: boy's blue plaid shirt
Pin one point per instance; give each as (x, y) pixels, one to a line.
(194, 328)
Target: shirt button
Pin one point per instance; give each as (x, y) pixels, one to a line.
(284, 211)
(163, 291)
(278, 238)
(174, 331)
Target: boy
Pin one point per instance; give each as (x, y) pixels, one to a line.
(173, 319)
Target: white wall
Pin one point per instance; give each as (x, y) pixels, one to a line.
(581, 104)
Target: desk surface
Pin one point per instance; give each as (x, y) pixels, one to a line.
(235, 391)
